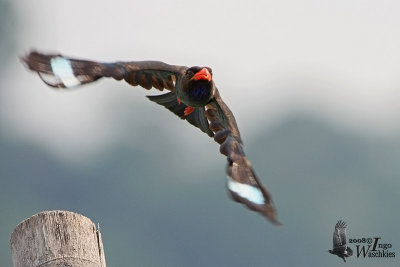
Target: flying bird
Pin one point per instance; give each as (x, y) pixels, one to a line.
(193, 96)
(339, 241)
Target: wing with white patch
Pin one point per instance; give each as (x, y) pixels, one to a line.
(242, 183)
(64, 72)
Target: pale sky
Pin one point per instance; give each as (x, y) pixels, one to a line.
(335, 60)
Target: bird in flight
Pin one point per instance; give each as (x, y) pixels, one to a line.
(339, 241)
(193, 96)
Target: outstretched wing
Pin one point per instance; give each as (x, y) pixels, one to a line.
(339, 235)
(64, 72)
(242, 181)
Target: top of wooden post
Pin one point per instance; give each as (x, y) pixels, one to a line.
(57, 238)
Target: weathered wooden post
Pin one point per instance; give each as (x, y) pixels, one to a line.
(57, 238)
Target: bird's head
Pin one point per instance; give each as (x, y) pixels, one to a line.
(197, 74)
(197, 86)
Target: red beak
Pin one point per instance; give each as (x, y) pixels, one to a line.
(202, 74)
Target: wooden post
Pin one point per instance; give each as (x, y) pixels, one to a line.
(57, 238)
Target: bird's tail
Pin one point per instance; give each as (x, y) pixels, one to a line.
(64, 72)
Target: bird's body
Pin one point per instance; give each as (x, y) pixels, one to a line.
(193, 96)
(340, 247)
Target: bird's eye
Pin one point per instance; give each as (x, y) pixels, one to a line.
(189, 73)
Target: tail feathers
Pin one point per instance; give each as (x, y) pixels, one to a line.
(63, 72)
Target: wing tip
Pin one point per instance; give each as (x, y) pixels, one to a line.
(266, 209)
(341, 224)
(270, 213)
(273, 219)
(25, 59)
(36, 61)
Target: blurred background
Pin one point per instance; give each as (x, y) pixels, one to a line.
(314, 86)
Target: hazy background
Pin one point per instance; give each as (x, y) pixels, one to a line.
(315, 88)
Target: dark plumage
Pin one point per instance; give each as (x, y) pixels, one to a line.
(200, 92)
(193, 96)
(339, 241)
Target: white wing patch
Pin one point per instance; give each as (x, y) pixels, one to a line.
(62, 69)
(246, 191)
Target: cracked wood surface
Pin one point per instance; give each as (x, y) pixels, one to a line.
(57, 238)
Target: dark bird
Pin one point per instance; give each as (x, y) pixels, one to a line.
(339, 241)
(193, 97)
